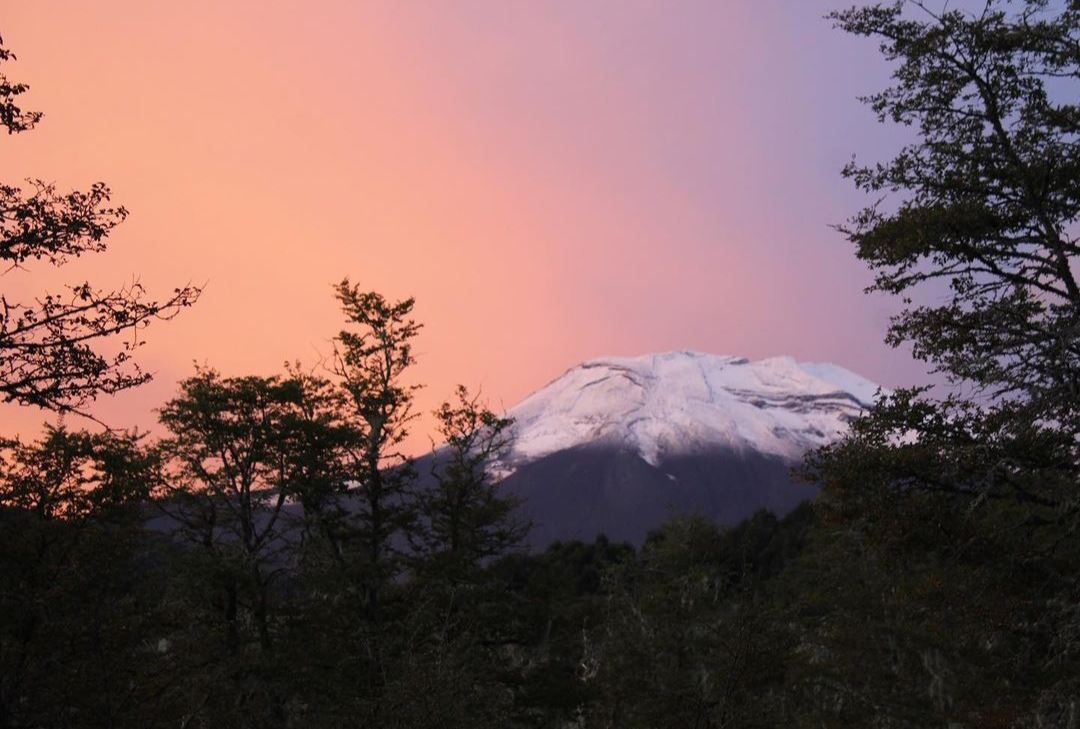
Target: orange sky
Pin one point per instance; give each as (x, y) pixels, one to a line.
(552, 180)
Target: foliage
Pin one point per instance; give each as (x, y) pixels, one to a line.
(295, 571)
(370, 362)
(961, 510)
(689, 638)
(76, 605)
(988, 195)
(465, 520)
(51, 351)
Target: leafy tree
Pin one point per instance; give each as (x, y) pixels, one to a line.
(370, 361)
(441, 637)
(962, 510)
(76, 604)
(229, 478)
(254, 465)
(49, 347)
(12, 116)
(986, 198)
(689, 638)
(75, 474)
(917, 607)
(317, 439)
(552, 597)
(466, 520)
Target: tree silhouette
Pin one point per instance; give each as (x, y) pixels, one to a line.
(50, 352)
(974, 493)
(988, 196)
(370, 361)
(466, 520)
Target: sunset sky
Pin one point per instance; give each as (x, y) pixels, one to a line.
(553, 181)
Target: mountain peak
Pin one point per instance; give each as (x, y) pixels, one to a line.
(680, 402)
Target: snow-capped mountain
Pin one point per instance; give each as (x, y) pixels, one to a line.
(680, 402)
(618, 444)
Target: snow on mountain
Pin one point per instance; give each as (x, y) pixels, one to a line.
(679, 403)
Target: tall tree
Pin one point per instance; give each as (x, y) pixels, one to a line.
(986, 198)
(228, 481)
(968, 494)
(466, 520)
(371, 360)
(249, 461)
(50, 353)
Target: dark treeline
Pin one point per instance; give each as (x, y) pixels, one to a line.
(274, 560)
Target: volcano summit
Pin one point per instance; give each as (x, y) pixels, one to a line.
(619, 444)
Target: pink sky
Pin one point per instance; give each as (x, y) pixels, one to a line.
(553, 181)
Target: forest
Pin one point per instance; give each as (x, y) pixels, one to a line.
(271, 556)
